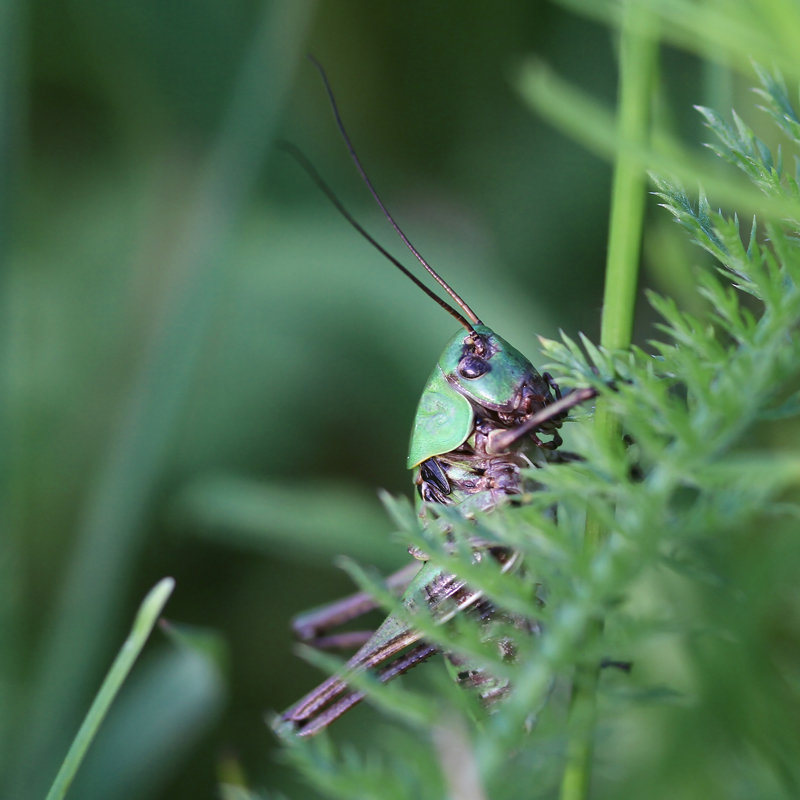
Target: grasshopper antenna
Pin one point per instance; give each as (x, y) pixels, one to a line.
(301, 159)
(459, 302)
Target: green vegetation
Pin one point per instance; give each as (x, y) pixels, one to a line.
(190, 390)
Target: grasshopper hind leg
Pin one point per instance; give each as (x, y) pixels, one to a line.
(311, 627)
(306, 718)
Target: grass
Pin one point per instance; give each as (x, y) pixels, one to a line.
(155, 378)
(146, 618)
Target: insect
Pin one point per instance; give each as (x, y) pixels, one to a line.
(485, 415)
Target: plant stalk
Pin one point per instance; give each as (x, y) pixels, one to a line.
(637, 70)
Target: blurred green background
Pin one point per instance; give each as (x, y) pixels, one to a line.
(202, 359)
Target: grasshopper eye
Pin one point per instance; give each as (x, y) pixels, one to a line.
(471, 367)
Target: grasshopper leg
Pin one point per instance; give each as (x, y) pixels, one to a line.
(314, 724)
(311, 626)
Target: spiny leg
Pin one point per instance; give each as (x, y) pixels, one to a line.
(386, 646)
(397, 667)
(310, 626)
(394, 648)
(501, 439)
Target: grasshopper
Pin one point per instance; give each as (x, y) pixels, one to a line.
(485, 415)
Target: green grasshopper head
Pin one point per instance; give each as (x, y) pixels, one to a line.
(479, 374)
(491, 373)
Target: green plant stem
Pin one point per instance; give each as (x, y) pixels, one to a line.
(637, 64)
(146, 618)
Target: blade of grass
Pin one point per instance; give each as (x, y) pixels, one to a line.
(143, 624)
(110, 531)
